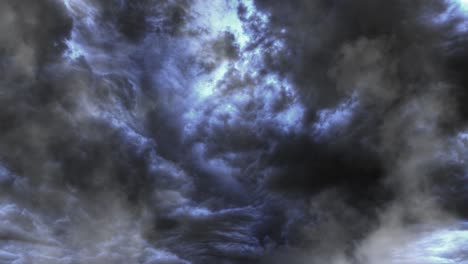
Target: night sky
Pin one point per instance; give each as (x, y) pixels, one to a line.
(233, 131)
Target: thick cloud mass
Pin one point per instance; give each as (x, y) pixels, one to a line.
(233, 131)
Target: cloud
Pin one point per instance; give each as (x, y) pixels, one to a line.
(233, 131)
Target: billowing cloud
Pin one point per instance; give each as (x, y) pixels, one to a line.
(237, 131)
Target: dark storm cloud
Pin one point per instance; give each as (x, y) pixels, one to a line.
(397, 60)
(30, 39)
(92, 134)
(388, 59)
(224, 132)
(63, 145)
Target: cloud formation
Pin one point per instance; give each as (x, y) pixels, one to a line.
(245, 131)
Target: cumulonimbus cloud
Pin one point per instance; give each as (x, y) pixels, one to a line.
(247, 131)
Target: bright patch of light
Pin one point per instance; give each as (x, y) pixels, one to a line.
(251, 10)
(205, 86)
(234, 93)
(195, 212)
(455, 8)
(74, 50)
(463, 4)
(221, 16)
(437, 247)
(331, 120)
(81, 10)
(82, 13)
(291, 118)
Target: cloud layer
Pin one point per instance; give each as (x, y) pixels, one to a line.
(251, 131)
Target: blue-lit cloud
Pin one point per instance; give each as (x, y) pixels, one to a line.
(238, 131)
